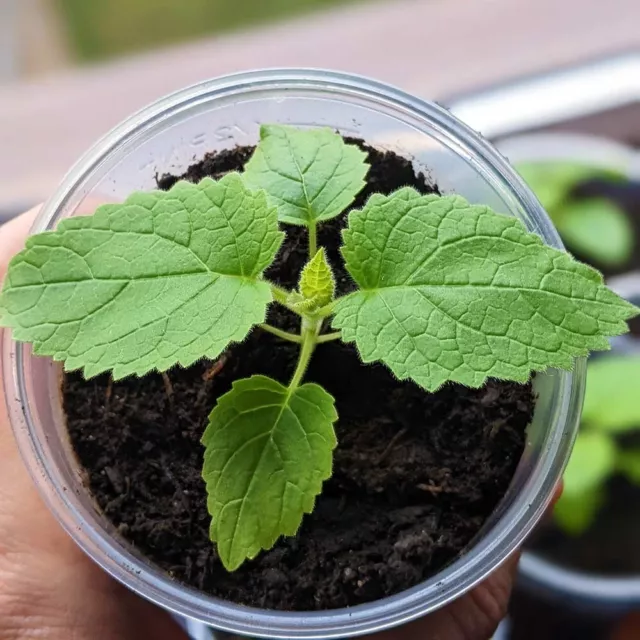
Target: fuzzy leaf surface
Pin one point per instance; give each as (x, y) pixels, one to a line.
(268, 451)
(165, 278)
(316, 280)
(311, 175)
(451, 291)
(598, 229)
(611, 397)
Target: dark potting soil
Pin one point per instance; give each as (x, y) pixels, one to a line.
(415, 474)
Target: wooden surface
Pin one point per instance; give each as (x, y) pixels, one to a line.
(434, 48)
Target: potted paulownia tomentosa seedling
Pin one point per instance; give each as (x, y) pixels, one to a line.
(270, 301)
(443, 291)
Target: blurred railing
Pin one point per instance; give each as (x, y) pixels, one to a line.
(434, 48)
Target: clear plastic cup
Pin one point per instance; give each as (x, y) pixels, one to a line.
(166, 137)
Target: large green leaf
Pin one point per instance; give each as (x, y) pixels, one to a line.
(597, 229)
(310, 175)
(165, 278)
(612, 398)
(454, 291)
(268, 450)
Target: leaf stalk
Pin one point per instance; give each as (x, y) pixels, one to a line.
(313, 239)
(328, 337)
(309, 342)
(285, 335)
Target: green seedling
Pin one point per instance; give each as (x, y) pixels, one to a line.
(611, 409)
(594, 227)
(447, 291)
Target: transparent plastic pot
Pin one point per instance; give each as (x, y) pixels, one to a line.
(166, 137)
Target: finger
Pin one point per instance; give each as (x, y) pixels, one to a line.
(48, 588)
(475, 616)
(548, 514)
(12, 237)
(557, 493)
(628, 628)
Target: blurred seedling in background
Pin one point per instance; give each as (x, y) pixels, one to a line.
(596, 228)
(608, 443)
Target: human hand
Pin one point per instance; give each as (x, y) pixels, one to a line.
(50, 590)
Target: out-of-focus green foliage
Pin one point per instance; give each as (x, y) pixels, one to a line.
(105, 28)
(611, 407)
(596, 228)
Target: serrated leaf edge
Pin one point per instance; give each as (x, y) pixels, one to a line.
(330, 414)
(72, 222)
(523, 374)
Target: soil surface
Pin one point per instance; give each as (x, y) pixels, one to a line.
(415, 474)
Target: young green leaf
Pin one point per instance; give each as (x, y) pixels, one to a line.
(310, 175)
(268, 450)
(451, 291)
(598, 229)
(575, 514)
(552, 182)
(316, 280)
(611, 398)
(300, 304)
(628, 463)
(165, 278)
(592, 461)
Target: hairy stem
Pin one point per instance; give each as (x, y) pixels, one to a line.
(313, 239)
(285, 335)
(279, 293)
(328, 337)
(309, 341)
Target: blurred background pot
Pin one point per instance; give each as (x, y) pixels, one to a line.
(584, 603)
(221, 114)
(592, 595)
